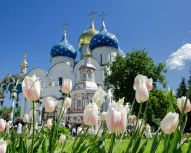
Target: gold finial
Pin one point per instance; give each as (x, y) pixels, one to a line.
(87, 53)
(24, 63)
(25, 55)
(92, 13)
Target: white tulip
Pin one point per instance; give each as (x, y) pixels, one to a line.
(31, 88)
(49, 123)
(67, 86)
(91, 114)
(142, 86)
(62, 138)
(50, 104)
(67, 103)
(99, 96)
(170, 123)
(181, 102)
(116, 118)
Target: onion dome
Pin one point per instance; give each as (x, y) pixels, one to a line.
(63, 48)
(87, 35)
(104, 38)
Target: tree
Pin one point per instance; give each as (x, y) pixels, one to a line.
(123, 70)
(182, 89)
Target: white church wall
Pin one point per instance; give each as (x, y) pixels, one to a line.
(107, 54)
(61, 70)
(62, 59)
(39, 72)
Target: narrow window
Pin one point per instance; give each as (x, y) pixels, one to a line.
(60, 81)
(101, 59)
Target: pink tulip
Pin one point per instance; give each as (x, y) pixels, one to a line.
(3, 146)
(116, 118)
(67, 103)
(170, 123)
(142, 86)
(67, 86)
(2, 125)
(50, 104)
(181, 104)
(91, 114)
(31, 88)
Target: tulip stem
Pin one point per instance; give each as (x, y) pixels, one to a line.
(112, 143)
(33, 104)
(184, 123)
(99, 129)
(60, 117)
(139, 113)
(62, 150)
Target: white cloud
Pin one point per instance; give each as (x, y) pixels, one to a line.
(179, 58)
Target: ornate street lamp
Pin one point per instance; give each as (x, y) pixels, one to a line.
(14, 97)
(1, 99)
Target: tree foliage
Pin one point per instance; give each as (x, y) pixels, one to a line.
(123, 71)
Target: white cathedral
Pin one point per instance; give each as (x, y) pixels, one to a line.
(97, 48)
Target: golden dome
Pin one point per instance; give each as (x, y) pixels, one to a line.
(86, 36)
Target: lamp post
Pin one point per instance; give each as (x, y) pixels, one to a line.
(1, 101)
(14, 97)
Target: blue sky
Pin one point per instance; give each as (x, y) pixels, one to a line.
(160, 26)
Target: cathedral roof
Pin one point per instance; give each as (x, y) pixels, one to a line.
(104, 38)
(63, 48)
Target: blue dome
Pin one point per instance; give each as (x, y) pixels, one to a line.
(63, 48)
(104, 38)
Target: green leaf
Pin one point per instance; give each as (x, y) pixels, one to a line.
(155, 143)
(142, 148)
(174, 143)
(137, 143)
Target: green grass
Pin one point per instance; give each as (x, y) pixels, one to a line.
(121, 145)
